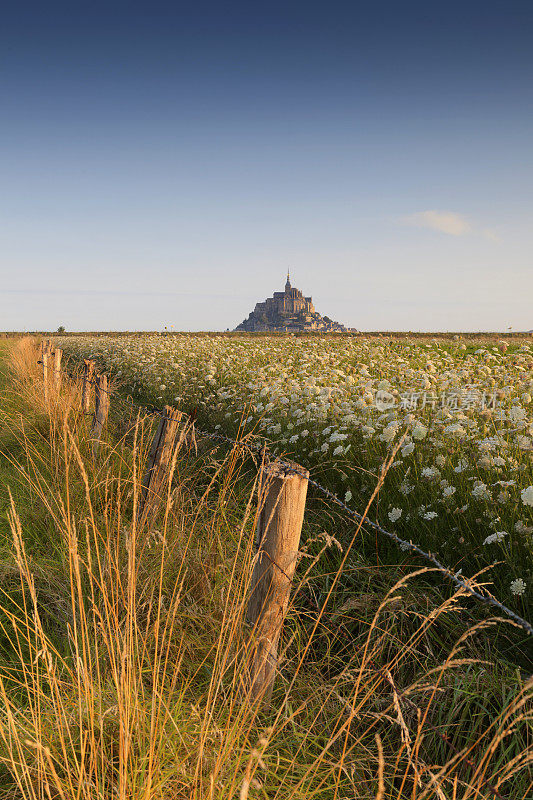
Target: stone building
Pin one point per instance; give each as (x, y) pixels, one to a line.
(286, 312)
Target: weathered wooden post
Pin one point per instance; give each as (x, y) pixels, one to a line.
(162, 450)
(57, 368)
(282, 495)
(88, 372)
(101, 406)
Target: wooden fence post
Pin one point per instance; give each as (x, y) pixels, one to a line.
(88, 372)
(57, 367)
(282, 495)
(101, 406)
(162, 450)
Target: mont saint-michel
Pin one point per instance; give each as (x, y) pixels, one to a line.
(288, 312)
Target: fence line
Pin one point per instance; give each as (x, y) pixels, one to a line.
(257, 448)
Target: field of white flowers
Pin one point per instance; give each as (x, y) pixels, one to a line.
(461, 483)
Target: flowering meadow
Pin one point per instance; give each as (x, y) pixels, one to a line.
(461, 483)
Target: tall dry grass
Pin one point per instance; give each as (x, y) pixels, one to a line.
(129, 679)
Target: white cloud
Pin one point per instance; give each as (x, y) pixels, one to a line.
(448, 222)
(444, 221)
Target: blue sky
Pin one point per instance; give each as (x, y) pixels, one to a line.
(163, 164)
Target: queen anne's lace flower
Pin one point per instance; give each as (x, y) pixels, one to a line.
(406, 488)
(461, 466)
(527, 496)
(498, 536)
(521, 527)
(419, 431)
(389, 432)
(337, 437)
(517, 414)
(480, 491)
(518, 586)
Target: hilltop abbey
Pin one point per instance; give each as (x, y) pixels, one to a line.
(288, 312)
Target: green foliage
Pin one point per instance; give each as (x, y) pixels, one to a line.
(124, 658)
(302, 392)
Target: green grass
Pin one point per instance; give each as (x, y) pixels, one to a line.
(124, 650)
(179, 370)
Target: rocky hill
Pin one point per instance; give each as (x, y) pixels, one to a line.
(288, 312)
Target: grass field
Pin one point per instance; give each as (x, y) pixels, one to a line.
(462, 483)
(123, 647)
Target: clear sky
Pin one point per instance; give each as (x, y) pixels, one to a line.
(163, 163)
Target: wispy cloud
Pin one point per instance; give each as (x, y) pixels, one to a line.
(444, 221)
(449, 222)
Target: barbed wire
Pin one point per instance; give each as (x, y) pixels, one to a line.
(455, 577)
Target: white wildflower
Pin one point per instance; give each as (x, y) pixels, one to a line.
(521, 527)
(517, 415)
(419, 431)
(461, 466)
(498, 536)
(390, 432)
(455, 430)
(337, 437)
(518, 586)
(527, 496)
(480, 491)
(406, 488)
(430, 473)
